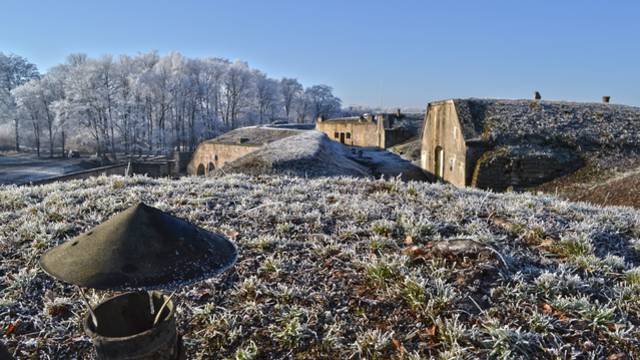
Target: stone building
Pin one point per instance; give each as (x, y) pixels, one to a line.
(381, 130)
(212, 154)
(501, 144)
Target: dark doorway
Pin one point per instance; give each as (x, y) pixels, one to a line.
(200, 170)
(342, 138)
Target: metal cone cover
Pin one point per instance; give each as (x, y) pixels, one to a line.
(140, 248)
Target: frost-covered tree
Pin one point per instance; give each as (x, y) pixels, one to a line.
(236, 91)
(292, 92)
(267, 97)
(29, 101)
(321, 101)
(14, 71)
(156, 103)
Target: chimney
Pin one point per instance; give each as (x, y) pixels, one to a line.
(606, 99)
(537, 96)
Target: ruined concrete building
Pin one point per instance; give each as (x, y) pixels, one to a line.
(212, 154)
(381, 130)
(501, 144)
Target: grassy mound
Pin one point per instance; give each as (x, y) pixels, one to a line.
(338, 268)
(309, 154)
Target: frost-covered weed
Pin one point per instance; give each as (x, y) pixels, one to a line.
(633, 276)
(450, 331)
(573, 247)
(248, 352)
(382, 271)
(383, 227)
(505, 342)
(372, 344)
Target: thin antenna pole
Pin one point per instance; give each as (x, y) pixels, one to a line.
(86, 300)
(380, 93)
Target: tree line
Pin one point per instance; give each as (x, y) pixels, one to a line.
(146, 103)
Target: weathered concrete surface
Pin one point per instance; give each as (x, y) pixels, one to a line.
(444, 150)
(382, 130)
(520, 167)
(353, 131)
(458, 133)
(212, 154)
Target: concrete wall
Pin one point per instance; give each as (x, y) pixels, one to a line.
(153, 169)
(519, 167)
(118, 169)
(397, 136)
(214, 155)
(442, 130)
(477, 163)
(363, 133)
(181, 160)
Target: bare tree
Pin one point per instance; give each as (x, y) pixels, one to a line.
(236, 88)
(292, 92)
(322, 101)
(267, 96)
(14, 71)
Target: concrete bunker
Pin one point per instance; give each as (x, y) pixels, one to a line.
(502, 144)
(233, 145)
(382, 130)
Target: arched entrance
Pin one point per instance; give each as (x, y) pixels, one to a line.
(210, 168)
(439, 162)
(200, 170)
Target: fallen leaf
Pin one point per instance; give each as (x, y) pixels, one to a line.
(10, 329)
(415, 251)
(398, 346)
(408, 240)
(547, 309)
(546, 243)
(431, 330)
(231, 234)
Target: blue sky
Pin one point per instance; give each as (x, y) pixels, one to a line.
(394, 53)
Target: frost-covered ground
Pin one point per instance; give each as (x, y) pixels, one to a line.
(340, 268)
(593, 126)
